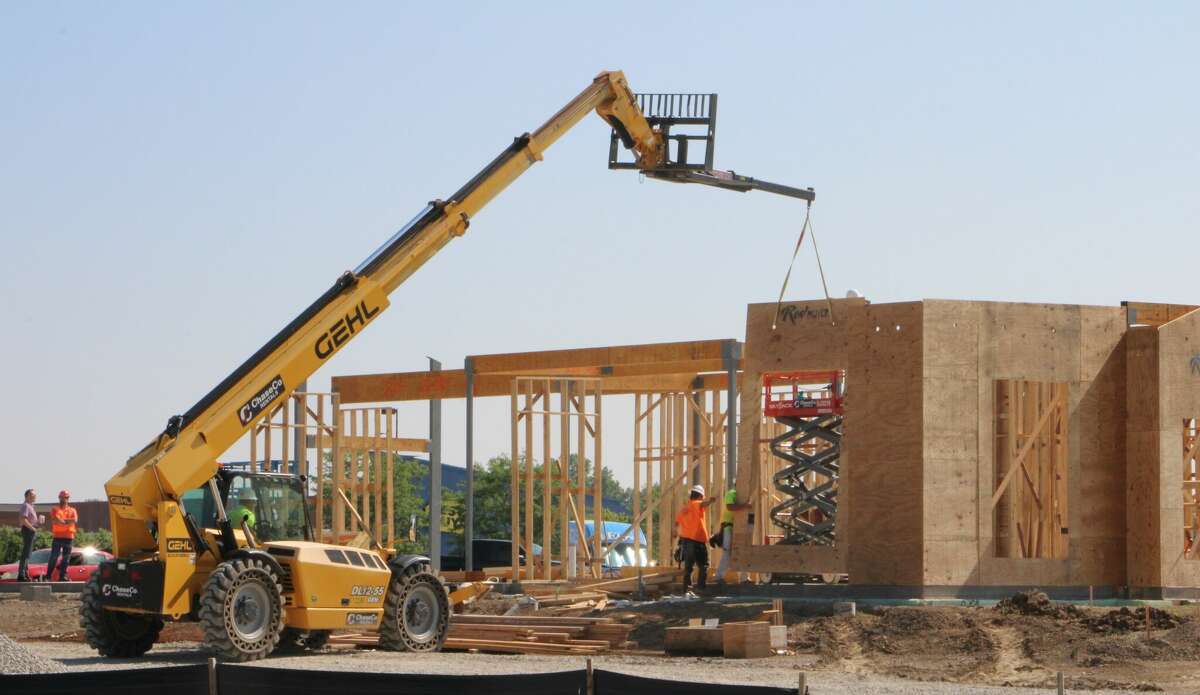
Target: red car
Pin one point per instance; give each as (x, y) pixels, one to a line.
(83, 562)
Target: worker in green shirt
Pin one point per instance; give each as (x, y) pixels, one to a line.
(241, 506)
(728, 507)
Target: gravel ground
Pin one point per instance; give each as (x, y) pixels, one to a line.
(17, 659)
(776, 671)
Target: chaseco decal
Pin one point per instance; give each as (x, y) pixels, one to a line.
(361, 618)
(265, 396)
(119, 591)
(343, 329)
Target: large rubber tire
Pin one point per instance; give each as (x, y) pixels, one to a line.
(294, 640)
(416, 611)
(241, 610)
(115, 634)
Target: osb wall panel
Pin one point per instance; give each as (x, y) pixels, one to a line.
(1080, 346)
(884, 435)
(1179, 389)
(951, 419)
(917, 481)
(1098, 510)
(1144, 542)
(806, 336)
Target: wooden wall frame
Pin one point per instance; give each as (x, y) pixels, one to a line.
(315, 431)
(679, 370)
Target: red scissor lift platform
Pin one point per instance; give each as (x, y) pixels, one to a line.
(810, 404)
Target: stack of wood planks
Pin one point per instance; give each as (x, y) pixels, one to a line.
(751, 639)
(569, 634)
(654, 581)
(556, 596)
(522, 634)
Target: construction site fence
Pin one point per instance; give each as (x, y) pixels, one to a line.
(226, 679)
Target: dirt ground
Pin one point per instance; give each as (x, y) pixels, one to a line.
(58, 621)
(1005, 645)
(1022, 644)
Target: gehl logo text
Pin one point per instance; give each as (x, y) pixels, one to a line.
(180, 545)
(343, 329)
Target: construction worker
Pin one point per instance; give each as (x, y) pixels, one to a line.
(693, 536)
(30, 520)
(241, 506)
(729, 506)
(63, 519)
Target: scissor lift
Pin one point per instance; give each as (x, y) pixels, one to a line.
(810, 404)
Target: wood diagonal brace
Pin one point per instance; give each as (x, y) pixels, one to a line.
(1031, 439)
(1191, 449)
(685, 475)
(1031, 486)
(587, 551)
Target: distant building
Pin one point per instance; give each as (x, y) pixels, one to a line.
(93, 514)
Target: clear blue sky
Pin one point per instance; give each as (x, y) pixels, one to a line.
(179, 179)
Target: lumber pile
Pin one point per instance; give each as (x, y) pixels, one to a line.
(613, 634)
(556, 596)
(747, 640)
(528, 634)
(660, 580)
(694, 640)
(752, 639)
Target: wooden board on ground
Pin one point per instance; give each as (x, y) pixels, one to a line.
(746, 640)
(532, 619)
(696, 640)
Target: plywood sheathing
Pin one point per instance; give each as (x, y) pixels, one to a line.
(918, 467)
(955, 393)
(805, 334)
(1079, 346)
(1164, 389)
(1144, 540)
(882, 439)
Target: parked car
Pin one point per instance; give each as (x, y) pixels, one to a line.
(79, 568)
(621, 555)
(485, 552)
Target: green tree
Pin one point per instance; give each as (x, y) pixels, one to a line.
(10, 542)
(493, 510)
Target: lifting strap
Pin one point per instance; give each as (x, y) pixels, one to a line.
(805, 228)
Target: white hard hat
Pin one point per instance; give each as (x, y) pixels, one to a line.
(852, 294)
(698, 489)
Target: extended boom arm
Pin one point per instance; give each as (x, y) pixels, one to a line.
(143, 496)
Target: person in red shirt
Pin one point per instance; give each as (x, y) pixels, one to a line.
(692, 530)
(62, 526)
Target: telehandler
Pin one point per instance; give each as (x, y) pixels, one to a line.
(236, 551)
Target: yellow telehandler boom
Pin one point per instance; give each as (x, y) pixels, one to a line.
(172, 565)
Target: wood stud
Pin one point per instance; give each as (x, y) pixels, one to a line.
(682, 435)
(350, 448)
(534, 402)
(1029, 502)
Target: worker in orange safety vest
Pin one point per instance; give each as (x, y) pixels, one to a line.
(63, 519)
(692, 530)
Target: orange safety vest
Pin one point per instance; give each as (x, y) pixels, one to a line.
(691, 522)
(62, 522)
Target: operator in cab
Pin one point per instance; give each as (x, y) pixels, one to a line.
(242, 503)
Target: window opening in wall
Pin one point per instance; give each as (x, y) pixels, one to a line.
(803, 417)
(1191, 489)
(1029, 499)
